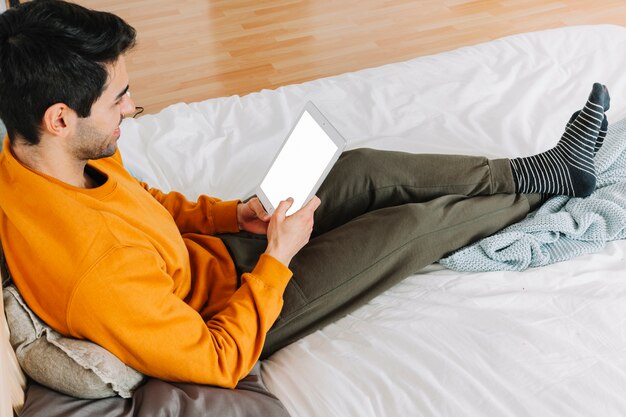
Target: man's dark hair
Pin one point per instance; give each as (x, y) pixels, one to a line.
(53, 52)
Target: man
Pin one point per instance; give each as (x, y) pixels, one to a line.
(193, 291)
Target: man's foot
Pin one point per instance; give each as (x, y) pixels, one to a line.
(604, 128)
(567, 169)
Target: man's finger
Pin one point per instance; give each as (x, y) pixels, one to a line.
(313, 203)
(283, 206)
(259, 210)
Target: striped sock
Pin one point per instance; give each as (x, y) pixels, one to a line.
(604, 128)
(568, 168)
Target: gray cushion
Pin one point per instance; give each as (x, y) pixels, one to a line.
(163, 399)
(75, 367)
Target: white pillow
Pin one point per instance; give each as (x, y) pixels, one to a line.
(11, 375)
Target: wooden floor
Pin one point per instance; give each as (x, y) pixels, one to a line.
(190, 50)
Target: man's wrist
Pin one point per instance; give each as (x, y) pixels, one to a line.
(277, 254)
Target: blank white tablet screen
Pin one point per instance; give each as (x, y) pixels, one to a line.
(299, 165)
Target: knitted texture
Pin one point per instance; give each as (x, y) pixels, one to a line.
(563, 227)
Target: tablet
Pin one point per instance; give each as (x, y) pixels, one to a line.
(304, 160)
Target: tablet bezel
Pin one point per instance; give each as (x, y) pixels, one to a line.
(332, 133)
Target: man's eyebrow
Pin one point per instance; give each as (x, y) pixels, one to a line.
(119, 96)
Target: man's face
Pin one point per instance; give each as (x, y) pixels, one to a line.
(96, 136)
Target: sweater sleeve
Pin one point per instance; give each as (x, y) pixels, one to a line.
(207, 215)
(126, 304)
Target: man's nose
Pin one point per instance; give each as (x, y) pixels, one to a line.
(128, 105)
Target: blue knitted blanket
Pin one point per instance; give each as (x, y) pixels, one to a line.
(563, 227)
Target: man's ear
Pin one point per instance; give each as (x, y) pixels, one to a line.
(59, 120)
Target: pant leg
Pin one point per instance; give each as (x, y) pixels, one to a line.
(347, 266)
(384, 216)
(364, 180)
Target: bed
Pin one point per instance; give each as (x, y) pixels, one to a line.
(548, 341)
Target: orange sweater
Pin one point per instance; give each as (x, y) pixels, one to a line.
(137, 272)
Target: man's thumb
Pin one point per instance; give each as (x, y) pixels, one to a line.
(283, 206)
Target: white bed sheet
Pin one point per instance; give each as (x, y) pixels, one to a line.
(549, 341)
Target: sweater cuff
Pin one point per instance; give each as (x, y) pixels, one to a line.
(225, 216)
(272, 272)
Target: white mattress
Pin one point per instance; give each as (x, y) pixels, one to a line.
(549, 341)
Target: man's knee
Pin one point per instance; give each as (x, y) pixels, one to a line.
(361, 162)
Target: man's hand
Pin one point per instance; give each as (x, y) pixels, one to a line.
(286, 235)
(252, 217)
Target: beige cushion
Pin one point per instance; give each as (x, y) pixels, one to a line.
(75, 367)
(12, 379)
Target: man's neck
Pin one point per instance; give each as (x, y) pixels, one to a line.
(54, 162)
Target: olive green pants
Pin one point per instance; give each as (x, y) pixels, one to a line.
(384, 216)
